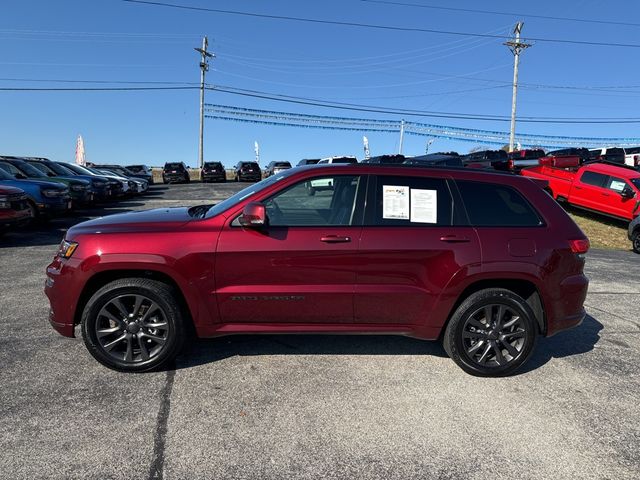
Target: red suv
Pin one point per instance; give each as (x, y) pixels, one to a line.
(483, 261)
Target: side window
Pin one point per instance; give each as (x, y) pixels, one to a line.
(412, 201)
(322, 201)
(616, 184)
(593, 178)
(493, 205)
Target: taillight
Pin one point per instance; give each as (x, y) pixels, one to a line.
(580, 246)
(636, 159)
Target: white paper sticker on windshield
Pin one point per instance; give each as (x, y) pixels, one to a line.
(617, 185)
(395, 202)
(424, 206)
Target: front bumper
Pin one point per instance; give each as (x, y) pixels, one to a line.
(62, 288)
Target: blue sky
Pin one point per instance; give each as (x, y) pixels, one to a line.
(116, 41)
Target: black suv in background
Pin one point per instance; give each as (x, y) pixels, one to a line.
(213, 172)
(275, 167)
(398, 158)
(175, 172)
(484, 158)
(247, 172)
(582, 153)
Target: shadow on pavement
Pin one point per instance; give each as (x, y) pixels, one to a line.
(203, 351)
(575, 341)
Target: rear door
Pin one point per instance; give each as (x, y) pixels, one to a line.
(588, 190)
(410, 249)
(300, 268)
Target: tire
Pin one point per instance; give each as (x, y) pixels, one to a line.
(635, 240)
(144, 340)
(499, 348)
(33, 210)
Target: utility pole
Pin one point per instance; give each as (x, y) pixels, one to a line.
(401, 136)
(204, 67)
(516, 46)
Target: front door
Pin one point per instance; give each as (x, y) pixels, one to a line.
(301, 267)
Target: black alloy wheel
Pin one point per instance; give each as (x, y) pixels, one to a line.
(492, 333)
(133, 325)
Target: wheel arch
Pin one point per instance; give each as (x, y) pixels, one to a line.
(521, 287)
(99, 279)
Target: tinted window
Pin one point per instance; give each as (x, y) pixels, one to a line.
(593, 178)
(412, 201)
(43, 168)
(247, 165)
(321, 201)
(632, 150)
(636, 182)
(490, 204)
(282, 164)
(173, 166)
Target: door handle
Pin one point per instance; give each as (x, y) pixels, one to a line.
(335, 239)
(454, 239)
(577, 187)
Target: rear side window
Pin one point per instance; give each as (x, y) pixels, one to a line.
(493, 205)
(593, 178)
(412, 201)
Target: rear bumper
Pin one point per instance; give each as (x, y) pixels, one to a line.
(174, 177)
(568, 305)
(215, 176)
(250, 177)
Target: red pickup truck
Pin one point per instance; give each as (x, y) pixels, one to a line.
(611, 190)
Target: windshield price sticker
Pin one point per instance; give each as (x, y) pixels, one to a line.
(424, 206)
(395, 202)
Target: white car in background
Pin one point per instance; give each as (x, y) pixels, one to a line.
(632, 156)
(141, 186)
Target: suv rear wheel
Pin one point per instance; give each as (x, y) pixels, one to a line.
(635, 240)
(133, 325)
(492, 333)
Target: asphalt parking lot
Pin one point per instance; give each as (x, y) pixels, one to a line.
(314, 407)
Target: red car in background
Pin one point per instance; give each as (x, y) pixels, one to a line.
(608, 189)
(14, 210)
(484, 261)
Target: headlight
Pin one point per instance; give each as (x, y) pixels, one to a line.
(4, 202)
(78, 188)
(51, 193)
(67, 248)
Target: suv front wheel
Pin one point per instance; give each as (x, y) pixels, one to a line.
(492, 333)
(133, 325)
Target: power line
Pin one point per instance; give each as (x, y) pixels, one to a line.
(507, 14)
(375, 26)
(415, 113)
(90, 89)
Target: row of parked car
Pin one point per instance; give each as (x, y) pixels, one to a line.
(36, 189)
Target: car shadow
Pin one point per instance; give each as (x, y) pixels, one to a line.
(204, 351)
(576, 341)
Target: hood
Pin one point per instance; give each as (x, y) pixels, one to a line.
(158, 219)
(32, 182)
(8, 190)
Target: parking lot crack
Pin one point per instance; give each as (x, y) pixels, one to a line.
(160, 434)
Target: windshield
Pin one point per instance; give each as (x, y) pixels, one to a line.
(79, 169)
(282, 164)
(28, 170)
(60, 170)
(4, 175)
(245, 193)
(636, 182)
(43, 168)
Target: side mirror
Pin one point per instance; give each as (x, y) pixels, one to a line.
(254, 215)
(627, 193)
